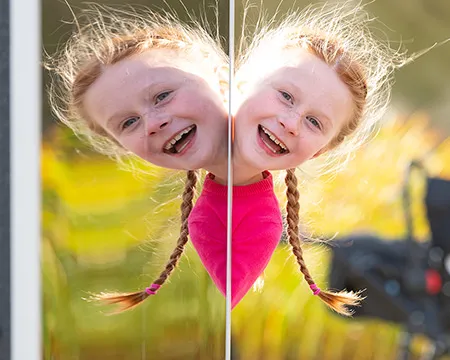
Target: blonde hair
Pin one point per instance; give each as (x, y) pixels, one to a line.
(104, 37)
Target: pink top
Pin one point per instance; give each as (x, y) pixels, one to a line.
(256, 225)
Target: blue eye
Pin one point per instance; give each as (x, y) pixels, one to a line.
(313, 121)
(127, 123)
(287, 96)
(162, 96)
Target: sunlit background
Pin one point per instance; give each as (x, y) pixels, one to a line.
(284, 320)
(108, 229)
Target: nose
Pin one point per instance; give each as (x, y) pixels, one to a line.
(155, 125)
(290, 124)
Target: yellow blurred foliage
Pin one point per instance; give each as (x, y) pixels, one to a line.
(366, 194)
(97, 213)
(284, 320)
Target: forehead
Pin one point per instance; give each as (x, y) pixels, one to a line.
(269, 57)
(300, 68)
(136, 65)
(133, 73)
(129, 73)
(266, 63)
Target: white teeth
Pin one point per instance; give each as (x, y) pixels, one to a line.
(177, 137)
(182, 148)
(273, 138)
(270, 147)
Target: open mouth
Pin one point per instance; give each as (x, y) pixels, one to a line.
(271, 141)
(180, 140)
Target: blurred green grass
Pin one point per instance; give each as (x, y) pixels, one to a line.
(110, 230)
(107, 229)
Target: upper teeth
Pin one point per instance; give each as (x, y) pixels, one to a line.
(178, 137)
(273, 138)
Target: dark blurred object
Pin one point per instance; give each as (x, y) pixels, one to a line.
(406, 282)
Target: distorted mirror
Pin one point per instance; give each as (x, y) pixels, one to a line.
(134, 124)
(323, 141)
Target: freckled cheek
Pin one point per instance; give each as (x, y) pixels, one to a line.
(133, 144)
(310, 144)
(195, 105)
(260, 107)
(306, 148)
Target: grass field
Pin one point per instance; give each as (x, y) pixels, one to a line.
(108, 229)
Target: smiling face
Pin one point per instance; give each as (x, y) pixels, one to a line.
(290, 115)
(158, 106)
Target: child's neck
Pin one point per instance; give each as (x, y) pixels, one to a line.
(241, 176)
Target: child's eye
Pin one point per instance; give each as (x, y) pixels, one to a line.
(127, 123)
(314, 122)
(160, 97)
(287, 96)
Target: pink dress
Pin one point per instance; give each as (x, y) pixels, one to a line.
(256, 232)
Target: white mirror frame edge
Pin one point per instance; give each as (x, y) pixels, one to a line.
(25, 211)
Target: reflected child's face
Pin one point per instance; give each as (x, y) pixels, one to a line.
(291, 114)
(163, 107)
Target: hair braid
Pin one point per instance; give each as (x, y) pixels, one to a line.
(129, 300)
(336, 301)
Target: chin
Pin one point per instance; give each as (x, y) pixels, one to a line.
(256, 162)
(197, 164)
(167, 163)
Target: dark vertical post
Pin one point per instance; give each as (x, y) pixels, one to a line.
(5, 286)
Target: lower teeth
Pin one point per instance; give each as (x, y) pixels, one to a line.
(281, 151)
(182, 148)
(173, 149)
(270, 147)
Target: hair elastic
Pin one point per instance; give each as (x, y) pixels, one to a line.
(315, 289)
(152, 289)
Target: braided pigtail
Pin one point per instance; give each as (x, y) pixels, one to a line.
(130, 300)
(336, 301)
